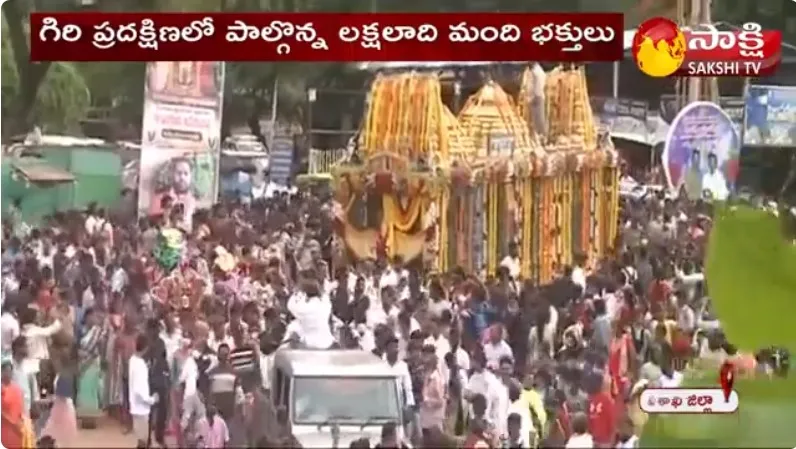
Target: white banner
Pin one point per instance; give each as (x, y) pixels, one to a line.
(181, 135)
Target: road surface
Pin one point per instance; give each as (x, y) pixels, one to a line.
(108, 434)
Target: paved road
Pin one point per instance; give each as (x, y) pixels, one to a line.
(108, 434)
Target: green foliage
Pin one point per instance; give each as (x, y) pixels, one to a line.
(751, 272)
(10, 81)
(62, 99)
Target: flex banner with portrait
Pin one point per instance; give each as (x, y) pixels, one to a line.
(701, 152)
(181, 135)
(770, 116)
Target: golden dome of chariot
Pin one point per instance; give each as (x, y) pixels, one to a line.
(403, 116)
(460, 145)
(490, 118)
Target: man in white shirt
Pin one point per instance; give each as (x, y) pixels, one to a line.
(686, 317)
(38, 338)
(578, 276)
(485, 383)
(670, 379)
(9, 330)
(435, 393)
(10, 283)
(389, 278)
(519, 408)
(192, 405)
(119, 279)
(515, 437)
(441, 344)
(140, 400)
(401, 370)
(312, 311)
(266, 366)
(496, 348)
(92, 221)
(45, 254)
(512, 262)
(714, 181)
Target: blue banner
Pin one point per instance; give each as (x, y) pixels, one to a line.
(701, 152)
(281, 160)
(770, 116)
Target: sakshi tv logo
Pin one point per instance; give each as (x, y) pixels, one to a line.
(662, 48)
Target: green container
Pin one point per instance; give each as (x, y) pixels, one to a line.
(98, 178)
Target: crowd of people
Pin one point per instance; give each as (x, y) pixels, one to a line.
(170, 325)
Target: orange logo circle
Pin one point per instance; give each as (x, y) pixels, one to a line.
(659, 47)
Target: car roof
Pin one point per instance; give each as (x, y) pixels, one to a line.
(331, 363)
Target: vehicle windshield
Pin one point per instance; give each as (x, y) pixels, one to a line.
(360, 400)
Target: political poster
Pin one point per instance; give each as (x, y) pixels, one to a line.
(701, 152)
(281, 160)
(181, 135)
(770, 116)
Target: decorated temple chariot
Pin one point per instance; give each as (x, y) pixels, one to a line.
(527, 175)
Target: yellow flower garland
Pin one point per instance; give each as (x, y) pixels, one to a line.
(526, 242)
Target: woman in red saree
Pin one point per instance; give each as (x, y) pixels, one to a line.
(13, 427)
(621, 358)
(621, 361)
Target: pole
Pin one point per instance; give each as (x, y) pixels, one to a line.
(312, 95)
(274, 104)
(457, 96)
(616, 80)
(694, 83)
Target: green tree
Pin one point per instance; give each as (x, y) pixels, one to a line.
(53, 95)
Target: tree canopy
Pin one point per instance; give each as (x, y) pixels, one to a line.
(55, 94)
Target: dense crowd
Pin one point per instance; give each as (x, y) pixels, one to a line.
(170, 324)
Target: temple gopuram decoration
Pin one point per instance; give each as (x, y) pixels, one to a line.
(531, 171)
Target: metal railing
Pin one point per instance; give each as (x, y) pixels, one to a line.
(321, 161)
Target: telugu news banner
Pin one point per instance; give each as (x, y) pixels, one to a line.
(555, 37)
(326, 37)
